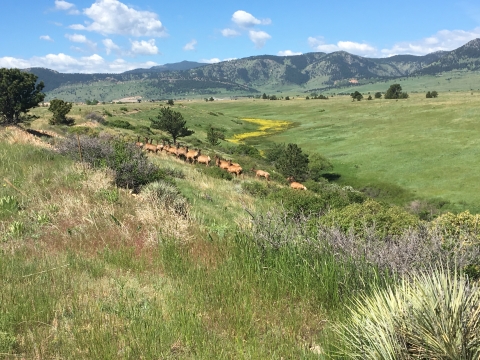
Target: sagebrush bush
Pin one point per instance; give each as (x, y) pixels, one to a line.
(168, 196)
(93, 116)
(386, 219)
(131, 166)
(414, 250)
(433, 315)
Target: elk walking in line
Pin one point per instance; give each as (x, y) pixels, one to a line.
(296, 185)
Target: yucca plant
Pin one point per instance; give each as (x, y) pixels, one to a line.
(434, 315)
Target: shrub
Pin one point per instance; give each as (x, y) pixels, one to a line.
(93, 116)
(463, 227)
(298, 202)
(436, 315)
(168, 196)
(123, 108)
(122, 124)
(83, 130)
(317, 165)
(216, 172)
(175, 173)
(378, 95)
(107, 113)
(256, 189)
(132, 167)
(247, 150)
(385, 219)
(293, 162)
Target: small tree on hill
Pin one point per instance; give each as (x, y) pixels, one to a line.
(293, 162)
(170, 102)
(214, 136)
(264, 96)
(369, 97)
(60, 109)
(356, 96)
(395, 92)
(317, 165)
(18, 94)
(434, 94)
(172, 122)
(428, 95)
(378, 95)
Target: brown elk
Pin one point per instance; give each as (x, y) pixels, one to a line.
(234, 168)
(182, 152)
(203, 159)
(261, 173)
(296, 185)
(160, 146)
(172, 150)
(149, 146)
(138, 143)
(223, 164)
(192, 155)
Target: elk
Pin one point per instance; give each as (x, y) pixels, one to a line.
(192, 155)
(138, 143)
(261, 173)
(295, 185)
(223, 164)
(234, 168)
(172, 150)
(182, 152)
(160, 147)
(203, 159)
(149, 146)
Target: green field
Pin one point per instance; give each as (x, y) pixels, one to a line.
(401, 151)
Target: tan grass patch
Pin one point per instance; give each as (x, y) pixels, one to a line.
(17, 135)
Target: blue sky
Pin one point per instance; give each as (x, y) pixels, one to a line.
(118, 35)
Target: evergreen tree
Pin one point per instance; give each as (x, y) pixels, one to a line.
(60, 109)
(172, 122)
(293, 162)
(18, 94)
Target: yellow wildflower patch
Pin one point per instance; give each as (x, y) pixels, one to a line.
(266, 127)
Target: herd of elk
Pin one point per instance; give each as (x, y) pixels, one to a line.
(193, 156)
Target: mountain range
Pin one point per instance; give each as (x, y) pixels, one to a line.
(266, 73)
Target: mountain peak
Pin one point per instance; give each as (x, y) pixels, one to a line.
(475, 43)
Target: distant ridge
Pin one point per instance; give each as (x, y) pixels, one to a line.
(250, 75)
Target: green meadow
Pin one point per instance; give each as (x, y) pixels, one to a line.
(399, 151)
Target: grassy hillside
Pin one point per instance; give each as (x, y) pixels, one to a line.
(90, 270)
(399, 151)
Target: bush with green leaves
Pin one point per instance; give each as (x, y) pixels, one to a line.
(293, 162)
(298, 202)
(60, 109)
(216, 172)
(257, 189)
(378, 95)
(432, 315)
(122, 124)
(357, 217)
(395, 92)
(463, 227)
(317, 165)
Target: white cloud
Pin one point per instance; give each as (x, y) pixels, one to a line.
(259, 38)
(230, 32)
(66, 63)
(66, 6)
(78, 38)
(46, 38)
(288, 53)
(81, 39)
(114, 17)
(318, 44)
(110, 46)
(442, 40)
(190, 46)
(144, 47)
(63, 5)
(245, 19)
(210, 61)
